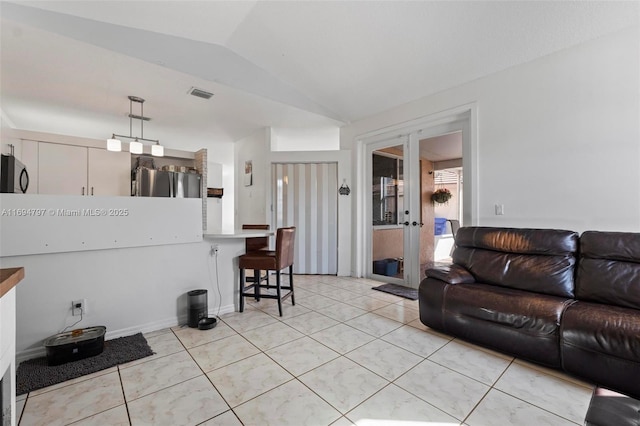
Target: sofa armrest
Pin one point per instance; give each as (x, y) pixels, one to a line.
(451, 274)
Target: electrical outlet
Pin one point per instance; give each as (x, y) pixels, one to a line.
(79, 307)
(215, 249)
(499, 209)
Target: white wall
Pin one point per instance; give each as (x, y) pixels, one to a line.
(224, 154)
(127, 290)
(558, 138)
(305, 139)
(251, 200)
(5, 138)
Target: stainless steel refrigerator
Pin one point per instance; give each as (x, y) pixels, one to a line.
(159, 183)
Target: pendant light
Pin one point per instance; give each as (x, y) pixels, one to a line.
(136, 147)
(114, 145)
(157, 150)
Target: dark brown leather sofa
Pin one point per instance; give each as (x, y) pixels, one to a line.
(549, 296)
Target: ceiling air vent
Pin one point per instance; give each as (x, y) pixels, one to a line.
(200, 93)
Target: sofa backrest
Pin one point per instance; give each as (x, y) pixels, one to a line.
(609, 268)
(537, 260)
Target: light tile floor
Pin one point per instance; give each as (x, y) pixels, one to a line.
(344, 355)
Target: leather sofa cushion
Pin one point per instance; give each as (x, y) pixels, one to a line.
(609, 268)
(600, 343)
(612, 408)
(519, 240)
(601, 328)
(518, 322)
(537, 260)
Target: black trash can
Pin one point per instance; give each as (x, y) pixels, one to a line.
(197, 306)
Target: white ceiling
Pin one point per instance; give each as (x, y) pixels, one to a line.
(68, 67)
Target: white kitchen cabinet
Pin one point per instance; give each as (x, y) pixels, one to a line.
(109, 173)
(77, 170)
(62, 169)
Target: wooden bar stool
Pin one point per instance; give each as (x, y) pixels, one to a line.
(267, 260)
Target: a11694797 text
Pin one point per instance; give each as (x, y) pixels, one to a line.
(97, 212)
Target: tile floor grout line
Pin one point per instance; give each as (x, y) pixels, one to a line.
(320, 396)
(534, 405)
(22, 411)
(214, 386)
(124, 398)
(259, 395)
(423, 400)
(420, 398)
(476, 405)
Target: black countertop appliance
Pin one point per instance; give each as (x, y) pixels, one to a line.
(13, 175)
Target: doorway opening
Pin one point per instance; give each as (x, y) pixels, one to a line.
(388, 212)
(305, 196)
(404, 232)
(448, 216)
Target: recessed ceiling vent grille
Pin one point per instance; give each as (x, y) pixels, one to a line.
(200, 93)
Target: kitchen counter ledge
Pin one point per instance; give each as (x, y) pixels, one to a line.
(241, 233)
(9, 278)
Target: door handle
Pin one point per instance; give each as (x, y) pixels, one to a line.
(406, 223)
(83, 190)
(416, 223)
(24, 179)
(92, 190)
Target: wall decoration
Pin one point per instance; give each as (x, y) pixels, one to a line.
(248, 173)
(344, 188)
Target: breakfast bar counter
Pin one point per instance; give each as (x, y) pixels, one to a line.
(241, 234)
(9, 278)
(225, 250)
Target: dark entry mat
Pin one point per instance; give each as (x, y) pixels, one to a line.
(35, 374)
(398, 290)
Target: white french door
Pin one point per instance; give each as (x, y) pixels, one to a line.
(396, 204)
(392, 211)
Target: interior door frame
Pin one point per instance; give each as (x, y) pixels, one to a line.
(463, 118)
(345, 211)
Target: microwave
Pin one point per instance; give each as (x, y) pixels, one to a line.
(13, 175)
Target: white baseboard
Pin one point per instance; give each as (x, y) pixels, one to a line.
(140, 328)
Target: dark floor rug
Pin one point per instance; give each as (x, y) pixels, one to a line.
(398, 290)
(35, 374)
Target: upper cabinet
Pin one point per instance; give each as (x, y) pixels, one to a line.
(109, 173)
(76, 170)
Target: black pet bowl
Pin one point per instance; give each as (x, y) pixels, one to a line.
(207, 323)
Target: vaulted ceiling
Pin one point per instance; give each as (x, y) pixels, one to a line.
(68, 66)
